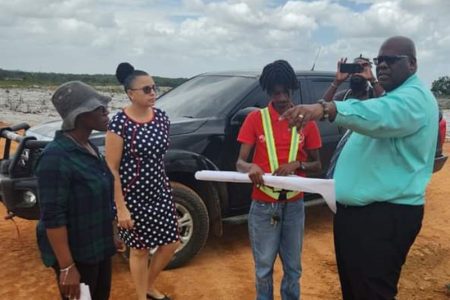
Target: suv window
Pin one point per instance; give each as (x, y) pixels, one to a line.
(205, 96)
(316, 87)
(261, 97)
(319, 87)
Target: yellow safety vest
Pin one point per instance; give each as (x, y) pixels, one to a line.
(272, 153)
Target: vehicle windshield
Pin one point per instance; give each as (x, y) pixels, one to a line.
(205, 96)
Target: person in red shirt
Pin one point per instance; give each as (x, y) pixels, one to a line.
(276, 218)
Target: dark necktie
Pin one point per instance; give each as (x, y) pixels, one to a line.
(336, 154)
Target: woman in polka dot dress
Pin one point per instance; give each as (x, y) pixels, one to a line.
(136, 142)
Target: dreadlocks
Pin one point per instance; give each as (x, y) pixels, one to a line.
(279, 72)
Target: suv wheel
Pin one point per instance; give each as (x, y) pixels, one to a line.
(193, 224)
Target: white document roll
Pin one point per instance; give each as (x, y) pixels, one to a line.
(324, 187)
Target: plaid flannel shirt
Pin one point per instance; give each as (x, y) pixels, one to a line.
(76, 191)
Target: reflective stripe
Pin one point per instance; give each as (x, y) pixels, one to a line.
(294, 145)
(272, 152)
(270, 140)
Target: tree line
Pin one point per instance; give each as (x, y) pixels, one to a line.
(48, 79)
(441, 86)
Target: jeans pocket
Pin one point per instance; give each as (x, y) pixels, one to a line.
(259, 208)
(260, 212)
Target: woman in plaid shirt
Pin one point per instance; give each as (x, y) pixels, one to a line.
(75, 233)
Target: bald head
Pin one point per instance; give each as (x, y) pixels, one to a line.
(396, 62)
(403, 45)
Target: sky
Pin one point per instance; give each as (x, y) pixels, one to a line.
(182, 38)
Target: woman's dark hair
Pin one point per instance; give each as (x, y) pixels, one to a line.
(279, 72)
(125, 74)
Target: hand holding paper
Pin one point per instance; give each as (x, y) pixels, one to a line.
(324, 187)
(85, 294)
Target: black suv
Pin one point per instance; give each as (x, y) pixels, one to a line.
(206, 113)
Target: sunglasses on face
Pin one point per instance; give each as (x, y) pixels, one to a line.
(148, 89)
(388, 59)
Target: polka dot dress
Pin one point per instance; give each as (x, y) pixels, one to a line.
(145, 186)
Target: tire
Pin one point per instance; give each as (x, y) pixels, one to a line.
(193, 225)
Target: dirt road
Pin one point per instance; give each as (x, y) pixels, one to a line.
(224, 268)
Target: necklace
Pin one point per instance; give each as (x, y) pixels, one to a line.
(86, 146)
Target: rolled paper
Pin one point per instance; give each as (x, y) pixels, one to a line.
(324, 187)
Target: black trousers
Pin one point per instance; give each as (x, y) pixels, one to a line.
(96, 276)
(371, 245)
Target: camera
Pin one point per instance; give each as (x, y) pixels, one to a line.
(351, 68)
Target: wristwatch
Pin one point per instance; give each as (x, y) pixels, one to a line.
(373, 82)
(325, 108)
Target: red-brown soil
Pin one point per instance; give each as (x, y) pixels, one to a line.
(224, 268)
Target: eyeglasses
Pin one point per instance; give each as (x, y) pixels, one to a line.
(389, 59)
(148, 89)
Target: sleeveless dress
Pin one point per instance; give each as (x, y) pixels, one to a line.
(145, 186)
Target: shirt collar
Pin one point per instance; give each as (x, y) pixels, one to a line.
(274, 115)
(68, 144)
(408, 80)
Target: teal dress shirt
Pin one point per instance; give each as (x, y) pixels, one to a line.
(390, 154)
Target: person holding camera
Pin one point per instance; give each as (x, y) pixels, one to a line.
(360, 73)
(382, 172)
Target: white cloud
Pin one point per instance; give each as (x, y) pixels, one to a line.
(186, 37)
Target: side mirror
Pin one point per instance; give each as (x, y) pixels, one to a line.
(240, 116)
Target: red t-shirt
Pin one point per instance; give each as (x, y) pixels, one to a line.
(252, 132)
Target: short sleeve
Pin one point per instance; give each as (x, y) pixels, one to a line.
(54, 187)
(117, 123)
(312, 136)
(247, 133)
(164, 117)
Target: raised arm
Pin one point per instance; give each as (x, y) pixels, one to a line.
(378, 90)
(340, 78)
(393, 115)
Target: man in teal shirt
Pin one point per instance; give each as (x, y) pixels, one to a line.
(382, 172)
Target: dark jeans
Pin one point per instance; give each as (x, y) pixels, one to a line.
(96, 276)
(371, 244)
